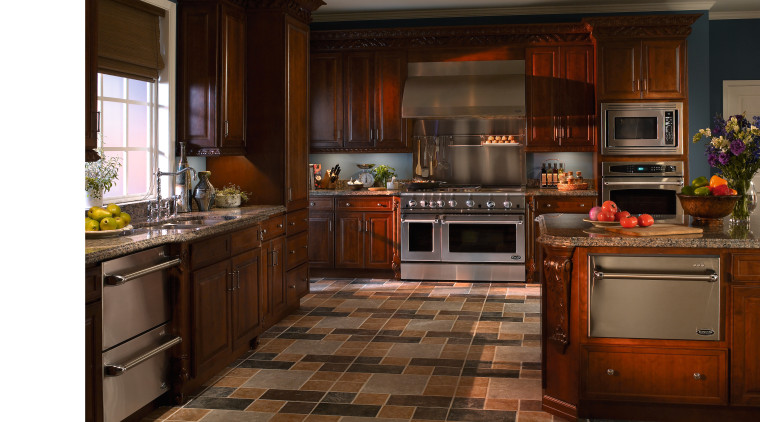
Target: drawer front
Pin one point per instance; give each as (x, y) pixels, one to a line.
(297, 281)
(321, 204)
(245, 239)
(366, 203)
(296, 250)
(298, 222)
(93, 281)
(566, 205)
(645, 374)
(745, 268)
(273, 227)
(209, 251)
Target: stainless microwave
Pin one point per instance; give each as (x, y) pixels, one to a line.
(642, 128)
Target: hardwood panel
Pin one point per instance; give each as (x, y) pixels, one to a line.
(232, 130)
(277, 294)
(91, 116)
(211, 315)
(378, 240)
(296, 251)
(93, 357)
(578, 112)
(244, 239)
(390, 75)
(211, 250)
(246, 312)
(326, 96)
(273, 227)
(321, 203)
(655, 375)
(321, 239)
(543, 66)
(566, 205)
(358, 76)
(349, 240)
(745, 346)
(297, 281)
(93, 281)
(619, 69)
(297, 222)
(366, 203)
(663, 71)
(745, 267)
(297, 103)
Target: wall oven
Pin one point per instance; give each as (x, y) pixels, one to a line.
(645, 188)
(642, 128)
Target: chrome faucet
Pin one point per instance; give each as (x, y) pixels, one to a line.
(182, 191)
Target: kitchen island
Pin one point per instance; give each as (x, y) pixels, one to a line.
(650, 328)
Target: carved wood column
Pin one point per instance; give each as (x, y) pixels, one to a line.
(558, 270)
(181, 324)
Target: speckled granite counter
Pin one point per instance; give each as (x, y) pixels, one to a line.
(349, 192)
(555, 192)
(97, 250)
(569, 230)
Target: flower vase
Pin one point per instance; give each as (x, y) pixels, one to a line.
(94, 199)
(204, 192)
(740, 213)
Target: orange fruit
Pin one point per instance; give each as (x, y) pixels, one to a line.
(717, 181)
(733, 192)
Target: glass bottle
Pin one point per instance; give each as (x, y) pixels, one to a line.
(555, 174)
(543, 174)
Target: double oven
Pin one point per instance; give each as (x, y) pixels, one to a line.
(645, 188)
(471, 234)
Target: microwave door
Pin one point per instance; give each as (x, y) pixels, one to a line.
(635, 129)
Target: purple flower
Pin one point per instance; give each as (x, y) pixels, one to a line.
(712, 160)
(737, 147)
(720, 126)
(723, 158)
(757, 121)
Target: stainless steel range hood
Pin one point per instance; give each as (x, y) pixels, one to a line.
(475, 89)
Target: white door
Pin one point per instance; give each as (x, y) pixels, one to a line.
(740, 97)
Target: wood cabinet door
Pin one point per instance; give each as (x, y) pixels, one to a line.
(321, 239)
(543, 66)
(745, 345)
(93, 367)
(349, 240)
(390, 75)
(232, 125)
(297, 281)
(358, 79)
(197, 30)
(378, 240)
(297, 109)
(326, 100)
(578, 102)
(276, 279)
(619, 70)
(663, 70)
(91, 116)
(212, 296)
(246, 312)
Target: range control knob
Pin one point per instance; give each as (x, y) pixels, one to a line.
(507, 204)
(431, 204)
(490, 204)
(441, 204)
(452, 203)
(423, 203)
(470, 203)
(412, 203)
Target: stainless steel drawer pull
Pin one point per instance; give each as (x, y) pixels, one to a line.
(118, 280)
(115, 370)
(610, 372)
(292, 286)
(292, 223)
(292, 251)
(311, 204)
(698, 376)
(348, 204)
(381, 205)
(279, 226)
(710, 278)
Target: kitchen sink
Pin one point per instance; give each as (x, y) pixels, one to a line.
(189, 223)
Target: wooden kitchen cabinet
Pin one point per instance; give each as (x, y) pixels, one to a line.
(91, 115)
(560, 98)
(321, 234)
(211, 56)
(93, 345)
(642, 69)
(356, 101)
(745, 347)
(364, 238)
(275, 296)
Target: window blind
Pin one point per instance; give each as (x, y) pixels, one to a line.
(129, 39)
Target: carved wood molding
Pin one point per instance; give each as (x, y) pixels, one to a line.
(449, 36)
(649, 26)
(558, 268)
(300, 9)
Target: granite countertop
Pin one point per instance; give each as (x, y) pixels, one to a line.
(555, 192)
(528, 191)
(96, 250)
(569, 230)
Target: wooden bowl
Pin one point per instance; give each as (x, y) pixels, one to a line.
(707, 210)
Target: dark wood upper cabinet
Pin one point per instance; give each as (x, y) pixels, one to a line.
(648, 69)
(358, 78)
(211, 77)
(664, 75)
(91, 115)
(326, 100)
(560, 98)
(390, 75)
(297, 110)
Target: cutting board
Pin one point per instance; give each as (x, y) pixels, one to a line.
(655, 230)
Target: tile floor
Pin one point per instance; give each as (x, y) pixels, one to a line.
(383, 350)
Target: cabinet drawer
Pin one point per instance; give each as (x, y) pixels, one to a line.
(321, 204)
(209, 251)
(566, 205)
(656, 375)
(372, 203)
(296, 250)
(93, 281)
(745, 267)
(298, 221)
(297, 281)
(245, 239)
(273, 227)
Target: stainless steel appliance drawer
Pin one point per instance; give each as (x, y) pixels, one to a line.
(135, 373)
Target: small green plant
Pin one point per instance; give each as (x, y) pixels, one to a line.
(383, 174)
(232, 189)
(99, 176)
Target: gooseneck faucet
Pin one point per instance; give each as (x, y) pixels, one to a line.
(182, 192)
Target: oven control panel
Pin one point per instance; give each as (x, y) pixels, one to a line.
(658, 168)
(497, 202)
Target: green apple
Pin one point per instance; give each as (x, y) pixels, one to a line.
(108, 223)
(91, 225)
(126, 217)
(113, 209)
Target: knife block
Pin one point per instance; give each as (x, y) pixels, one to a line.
(326, 184)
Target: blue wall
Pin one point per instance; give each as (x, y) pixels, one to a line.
(698, 59)
(734, 55)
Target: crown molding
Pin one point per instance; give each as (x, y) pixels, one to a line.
(714, 16)
(511, 11)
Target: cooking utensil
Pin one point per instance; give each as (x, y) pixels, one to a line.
(422, 185)
(418, 169)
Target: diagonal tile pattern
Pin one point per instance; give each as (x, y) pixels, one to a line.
(383, 350)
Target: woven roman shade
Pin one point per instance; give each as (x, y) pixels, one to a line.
(129, 39)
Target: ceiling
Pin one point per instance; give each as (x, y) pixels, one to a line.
(347, 10)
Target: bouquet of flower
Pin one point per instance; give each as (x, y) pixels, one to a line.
(734, 149)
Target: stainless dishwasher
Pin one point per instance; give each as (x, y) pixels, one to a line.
(673, 297)
(136, 316)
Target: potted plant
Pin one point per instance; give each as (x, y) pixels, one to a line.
(230, 196)
(383, 174)
(99, 177)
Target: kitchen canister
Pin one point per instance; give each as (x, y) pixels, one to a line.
(204, 192)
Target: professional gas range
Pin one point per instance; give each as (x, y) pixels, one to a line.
(463, 232)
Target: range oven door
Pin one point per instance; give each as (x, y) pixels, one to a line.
(483, 238)
(646, 195)
(420, 238)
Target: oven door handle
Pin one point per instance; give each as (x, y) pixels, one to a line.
(115, 370)
(710, 278)
(118, 280)
(480, 220)
(420, 220)
(643, 183)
